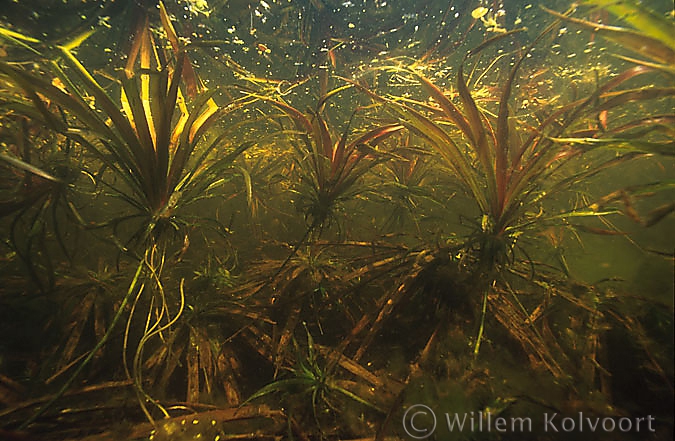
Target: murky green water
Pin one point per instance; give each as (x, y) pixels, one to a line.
(317, 219)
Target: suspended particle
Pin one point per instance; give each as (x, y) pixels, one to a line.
(479, 12)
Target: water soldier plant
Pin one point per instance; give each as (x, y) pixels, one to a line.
(154, 153)
(155, 144)
(313, 375)
(329, 166)
(510, 167)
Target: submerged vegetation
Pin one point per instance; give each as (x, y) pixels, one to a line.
(303, 243)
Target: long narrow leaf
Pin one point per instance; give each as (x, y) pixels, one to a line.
(376, 134)
(666, 148)
(661, 50)
(447, 148)
(451, 111)
(187, 143)
(102, 99)
(19, 40)
(479, 138)
(21, 165)
(189, 74)
(139, 116)
(640, 17)
(329, 95)
(302, 123)
(280, 386)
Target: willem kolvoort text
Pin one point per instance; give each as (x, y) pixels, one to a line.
(552, 422)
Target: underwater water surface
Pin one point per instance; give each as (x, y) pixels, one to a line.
(329, 219)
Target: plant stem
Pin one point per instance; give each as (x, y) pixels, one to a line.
(482, 324)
